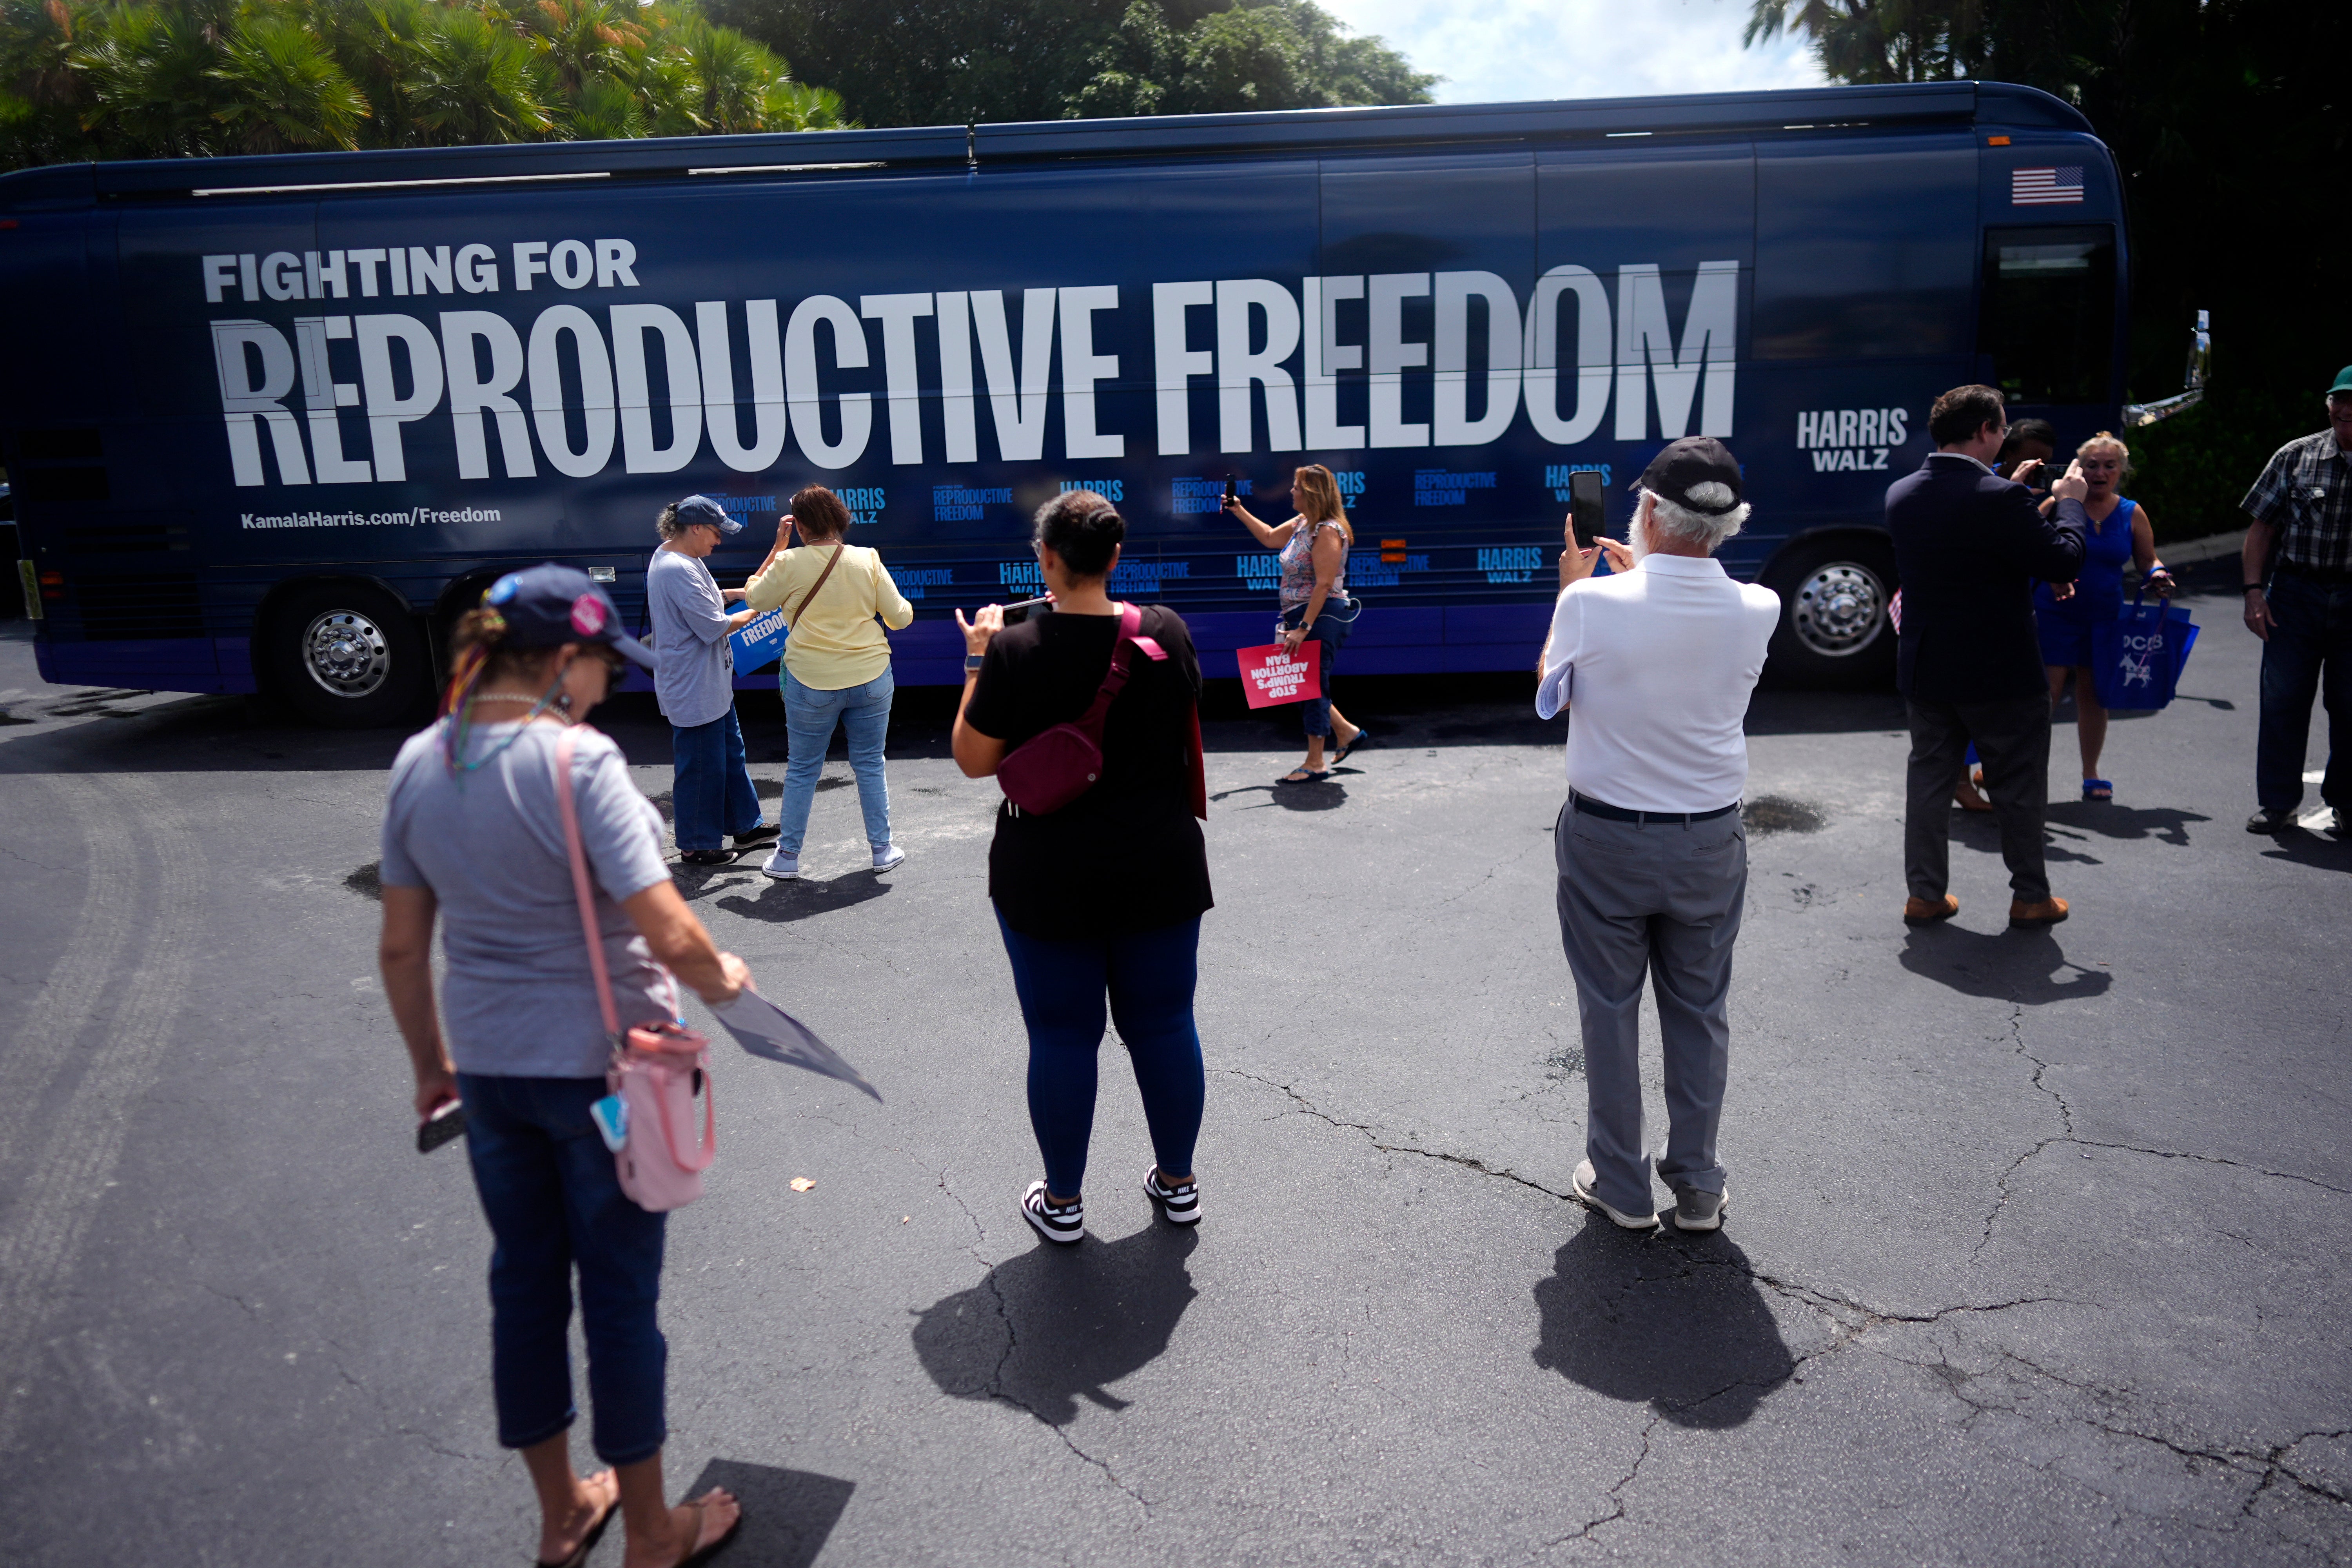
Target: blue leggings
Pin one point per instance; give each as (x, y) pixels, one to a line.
(1148, 977)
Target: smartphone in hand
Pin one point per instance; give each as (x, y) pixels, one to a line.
(1232, 495)
(1587, 511)
(444, 1126)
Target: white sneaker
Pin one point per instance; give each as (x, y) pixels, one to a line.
(889, 855)
(783, 868)
(1581, 1184)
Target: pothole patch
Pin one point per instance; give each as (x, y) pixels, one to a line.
(1778, 814)
(367, 881)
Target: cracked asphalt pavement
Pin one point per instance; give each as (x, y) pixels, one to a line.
(2035, 1252)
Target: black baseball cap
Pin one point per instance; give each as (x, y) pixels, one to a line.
(548, 605)
(708, 513)
(1686, 464)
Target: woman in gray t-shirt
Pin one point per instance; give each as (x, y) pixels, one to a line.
(473, 836)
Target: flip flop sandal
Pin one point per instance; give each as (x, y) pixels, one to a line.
(588, 1542)
(1304, 776)
(702, 1554)
(2098, 789)
(1363, 738)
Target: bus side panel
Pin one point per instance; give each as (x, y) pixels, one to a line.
(1865, 258)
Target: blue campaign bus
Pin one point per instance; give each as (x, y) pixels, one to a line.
(272, 422)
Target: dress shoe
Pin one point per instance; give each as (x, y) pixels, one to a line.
(2036, 912)
(1920, 911)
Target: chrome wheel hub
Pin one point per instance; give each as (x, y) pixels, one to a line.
(1839, 609)
(346, 653)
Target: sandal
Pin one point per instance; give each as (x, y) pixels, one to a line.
(1363, 738)
(588, 1542)
(1304, 775)
(699, 1550)
(2098, 789)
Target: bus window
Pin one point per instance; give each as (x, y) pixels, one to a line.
(1865, 248)
(2049, 312)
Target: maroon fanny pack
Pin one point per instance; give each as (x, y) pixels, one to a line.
(1048, 771)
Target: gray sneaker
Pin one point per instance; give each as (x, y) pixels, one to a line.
(1581, 1184)
(1698, 1209)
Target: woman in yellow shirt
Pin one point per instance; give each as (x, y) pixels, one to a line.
(836, 666)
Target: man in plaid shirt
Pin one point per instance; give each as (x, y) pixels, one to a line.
(2302, 537)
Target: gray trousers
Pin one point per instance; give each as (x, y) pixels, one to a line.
(2012, 740)
(1665, 898)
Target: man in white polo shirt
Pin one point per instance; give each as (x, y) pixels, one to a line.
(1657, 660)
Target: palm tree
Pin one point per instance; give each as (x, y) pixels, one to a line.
(476, 81)
(149, 75)
(284, 91)
(604, 111)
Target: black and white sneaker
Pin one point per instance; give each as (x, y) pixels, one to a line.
(1181, 1204)
(1064, 1225)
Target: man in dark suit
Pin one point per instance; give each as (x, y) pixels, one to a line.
(1970, 546)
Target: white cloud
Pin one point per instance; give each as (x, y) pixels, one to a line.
(1505, 51)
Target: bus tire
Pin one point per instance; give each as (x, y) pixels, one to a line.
(346, 656)
(1835, 630)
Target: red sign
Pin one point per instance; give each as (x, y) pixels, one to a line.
(1274, 675)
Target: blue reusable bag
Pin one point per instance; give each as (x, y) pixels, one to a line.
(2136, 659)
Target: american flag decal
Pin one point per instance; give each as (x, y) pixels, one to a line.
(2044, 187)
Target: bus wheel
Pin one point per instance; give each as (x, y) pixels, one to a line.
(345, 656)
(1834, 630)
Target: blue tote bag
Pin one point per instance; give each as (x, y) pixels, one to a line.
(2136, 659)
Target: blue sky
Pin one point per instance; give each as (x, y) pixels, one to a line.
(1500, 51)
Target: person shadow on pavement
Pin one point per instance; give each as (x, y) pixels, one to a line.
(1058, 1324)
(2023, 966)
(1672, 1320)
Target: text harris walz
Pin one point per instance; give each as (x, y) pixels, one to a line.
(574, 386)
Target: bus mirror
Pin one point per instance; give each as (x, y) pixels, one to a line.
(2201, 350)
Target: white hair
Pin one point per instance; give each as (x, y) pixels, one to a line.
(1679, 522)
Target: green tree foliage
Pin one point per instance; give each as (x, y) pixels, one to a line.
(921, 62)
(2229, 120)
(168, 78)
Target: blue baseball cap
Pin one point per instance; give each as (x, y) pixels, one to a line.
(708, 513)
(548, 605)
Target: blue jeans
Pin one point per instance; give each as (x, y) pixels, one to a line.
(712, 795)
(554, 1204)
(2309, 654)
(1149, 976)
(1331, 630)
(809, 718)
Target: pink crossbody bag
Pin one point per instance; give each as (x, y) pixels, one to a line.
(655, 1068)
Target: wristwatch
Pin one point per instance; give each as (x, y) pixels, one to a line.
(972, 661)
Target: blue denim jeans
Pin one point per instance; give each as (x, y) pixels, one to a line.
(554, 1204)
(712, 795)
(1331, 629)
(2309, 654)
(1149, 976)
(810, 715)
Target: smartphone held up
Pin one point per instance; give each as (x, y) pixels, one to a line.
(1588, 511)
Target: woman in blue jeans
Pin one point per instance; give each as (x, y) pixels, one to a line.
(1313, 595)
(1100, 900)
(837, 598)
(473, 838)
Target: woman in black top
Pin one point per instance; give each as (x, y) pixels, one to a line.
(1103, 897)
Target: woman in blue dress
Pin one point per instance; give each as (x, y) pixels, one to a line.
(2120, 532)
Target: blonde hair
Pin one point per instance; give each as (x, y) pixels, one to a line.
(1318, 494)
(2108, 439)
